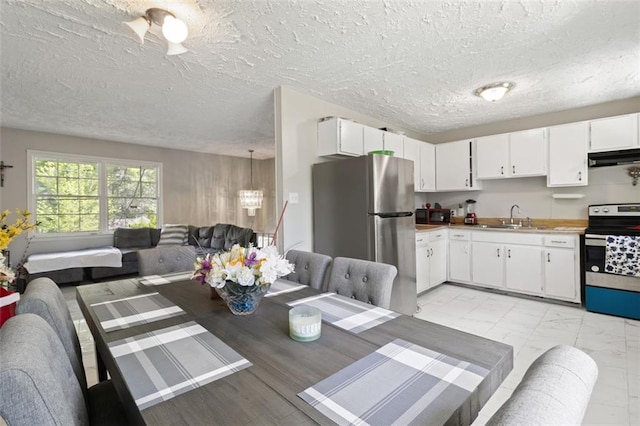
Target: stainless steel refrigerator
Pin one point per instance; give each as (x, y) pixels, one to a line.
(363, 208)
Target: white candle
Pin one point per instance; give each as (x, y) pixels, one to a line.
(305, 323)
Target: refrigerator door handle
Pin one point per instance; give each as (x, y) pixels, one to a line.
(394, 214)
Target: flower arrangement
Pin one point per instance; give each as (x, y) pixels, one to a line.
(247, 267)
(7, 233)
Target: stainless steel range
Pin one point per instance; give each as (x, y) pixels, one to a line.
(612, 260)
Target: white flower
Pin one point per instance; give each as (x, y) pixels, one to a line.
(245, 277)
(246, 266)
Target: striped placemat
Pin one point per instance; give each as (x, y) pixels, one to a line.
(401, 383)
(283, 286)
(349, 314)
(165, 279)
(165, 363)
(134, 310)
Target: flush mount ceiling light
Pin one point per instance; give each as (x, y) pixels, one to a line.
(173, 29)
(251, 199)
(495, 91)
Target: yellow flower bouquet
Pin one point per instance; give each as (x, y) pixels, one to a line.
(7, 233)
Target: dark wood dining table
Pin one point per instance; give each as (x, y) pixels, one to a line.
(267, 392)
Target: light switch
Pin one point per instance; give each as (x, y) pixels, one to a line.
(293, 197)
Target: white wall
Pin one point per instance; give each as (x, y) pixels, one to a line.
(606, 185)
(297, 116)
(198, 189)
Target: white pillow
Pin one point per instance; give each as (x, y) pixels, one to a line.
(173, 235)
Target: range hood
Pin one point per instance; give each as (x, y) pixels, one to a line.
(614, 158)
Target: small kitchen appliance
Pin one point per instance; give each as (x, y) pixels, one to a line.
(612, 260)
(471, 218)
(431, 216)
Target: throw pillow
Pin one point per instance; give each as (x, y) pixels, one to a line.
(173, 235)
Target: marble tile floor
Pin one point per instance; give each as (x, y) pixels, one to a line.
(530, 326)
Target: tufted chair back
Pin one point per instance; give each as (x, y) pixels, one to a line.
(44, 298)
(310, 268)
(364, 280)
(166, 260)
(37, 384)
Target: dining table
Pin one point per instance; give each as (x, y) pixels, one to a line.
(177, 356)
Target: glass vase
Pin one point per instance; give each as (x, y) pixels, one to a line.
(242, 300)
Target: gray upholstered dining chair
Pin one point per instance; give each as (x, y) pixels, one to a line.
(166, 260)
(38, 385)
(364, 280)
(555, 389)
(44, 298)
(310, 268)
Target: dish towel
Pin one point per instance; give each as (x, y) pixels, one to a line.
(622, 255)
(399, 384)
(130, 311)
(349, 314)
(165, 363)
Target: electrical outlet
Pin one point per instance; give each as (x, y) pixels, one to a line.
(293, 198)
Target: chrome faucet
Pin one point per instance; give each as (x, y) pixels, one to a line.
(511, 213)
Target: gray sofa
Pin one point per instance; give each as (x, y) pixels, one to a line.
(205, 239)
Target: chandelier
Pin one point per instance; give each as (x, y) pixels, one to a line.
(251, 199)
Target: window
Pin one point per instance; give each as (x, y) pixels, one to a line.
(76, 194)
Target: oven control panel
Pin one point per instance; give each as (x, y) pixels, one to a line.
(614, 210)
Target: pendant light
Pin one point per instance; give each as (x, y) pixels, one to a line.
(251, 199)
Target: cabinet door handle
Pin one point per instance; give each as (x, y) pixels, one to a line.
(513, 168)
(421, 183)
(501, 170)
(548, 257)
(498, 252)
(466, 250)
(580, 176)
(466, 182)
(431, 250)
(509, 253)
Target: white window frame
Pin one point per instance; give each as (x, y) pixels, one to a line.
(33, 155)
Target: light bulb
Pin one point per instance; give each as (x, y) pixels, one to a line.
(174, 29)
(493, 94)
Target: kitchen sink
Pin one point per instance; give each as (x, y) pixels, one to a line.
(512, 226)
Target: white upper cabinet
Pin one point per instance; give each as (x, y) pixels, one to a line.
(395, 143)
(373, 139)
(493, 156)
(517, 154)
(424, 163)
(340, 137)
(568, 155)
(614, 133)
(528, 153)
(427, 167)
(454, 166)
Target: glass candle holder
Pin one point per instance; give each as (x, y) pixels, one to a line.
(305, 323)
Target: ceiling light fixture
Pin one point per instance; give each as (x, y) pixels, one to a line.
(173, 29)
(251, 199)
(495, 91)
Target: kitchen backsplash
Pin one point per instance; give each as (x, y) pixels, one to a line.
(606, 185)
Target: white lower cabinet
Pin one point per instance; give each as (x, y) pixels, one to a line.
(459, 256)
(431, 259)
(546, 265)
(523, 269)
(488, 264)
(562, 267)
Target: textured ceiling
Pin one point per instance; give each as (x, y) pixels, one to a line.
(73, 67)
